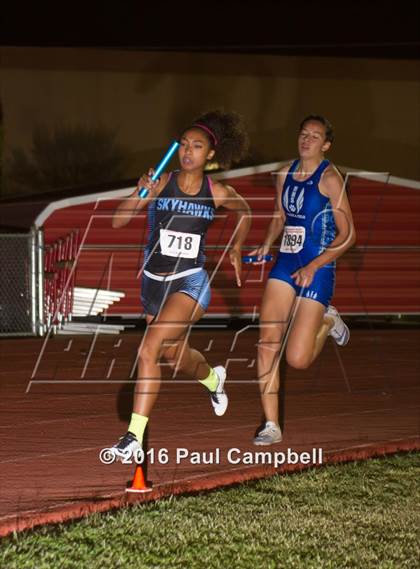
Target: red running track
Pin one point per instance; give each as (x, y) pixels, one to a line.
(354, 402)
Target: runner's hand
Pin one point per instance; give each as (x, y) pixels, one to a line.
(260, 253)
(304, 276)
(236, 260)
(146, 181)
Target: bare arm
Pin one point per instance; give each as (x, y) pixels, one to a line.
(277, 222)
(132, 204)
(332, 185)
(276, 225)
(226, 196)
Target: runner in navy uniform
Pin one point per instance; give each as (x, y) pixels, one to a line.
(175, 285)
(313, 215)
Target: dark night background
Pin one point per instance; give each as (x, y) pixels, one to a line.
(367, 29)
(127, 75)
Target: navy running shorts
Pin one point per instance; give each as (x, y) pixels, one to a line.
(155, 289)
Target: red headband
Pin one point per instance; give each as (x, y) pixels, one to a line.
(210, 132)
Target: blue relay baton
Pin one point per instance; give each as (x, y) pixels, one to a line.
(142, 193)
(254, 258)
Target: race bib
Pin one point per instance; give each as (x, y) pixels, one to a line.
(179, 244)
(293, 239)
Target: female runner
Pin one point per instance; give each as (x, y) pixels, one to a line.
(175, 286)
(313, 215)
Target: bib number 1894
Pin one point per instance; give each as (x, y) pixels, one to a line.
(293, 239)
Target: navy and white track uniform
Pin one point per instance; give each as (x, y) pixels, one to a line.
(309, 229)
(174, 255)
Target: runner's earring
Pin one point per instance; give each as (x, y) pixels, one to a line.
(210, 155)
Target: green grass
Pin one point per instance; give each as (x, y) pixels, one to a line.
(355, 515)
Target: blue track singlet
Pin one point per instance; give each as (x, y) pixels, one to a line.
(308, 231)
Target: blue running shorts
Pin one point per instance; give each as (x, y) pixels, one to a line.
(321, 289)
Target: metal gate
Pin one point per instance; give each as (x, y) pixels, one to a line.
(21, 283)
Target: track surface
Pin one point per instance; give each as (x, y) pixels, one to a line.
(354, 402)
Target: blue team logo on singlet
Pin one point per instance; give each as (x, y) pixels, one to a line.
(292, 202)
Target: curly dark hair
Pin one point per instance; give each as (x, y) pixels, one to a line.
(226, 134)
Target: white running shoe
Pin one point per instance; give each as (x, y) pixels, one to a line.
(126, 447)
(218, 398)
(339, 331)
(269, 434)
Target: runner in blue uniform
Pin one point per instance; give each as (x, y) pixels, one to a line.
(313, 215)
(175, 286)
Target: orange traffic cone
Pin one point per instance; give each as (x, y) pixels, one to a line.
(138, 484)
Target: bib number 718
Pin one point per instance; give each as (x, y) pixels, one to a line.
(175, 241)
(179, 244)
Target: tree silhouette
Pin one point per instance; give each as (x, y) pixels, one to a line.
(67, 157)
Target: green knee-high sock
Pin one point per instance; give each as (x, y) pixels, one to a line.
(137, 425)
(211, 381)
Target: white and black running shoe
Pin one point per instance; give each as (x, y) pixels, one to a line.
(218, 398)
(126, 447)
